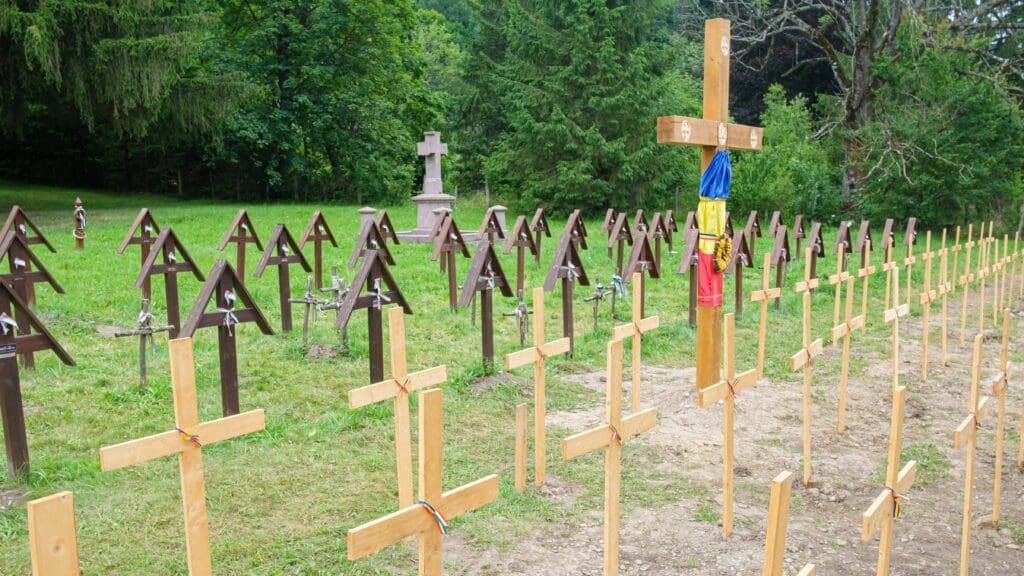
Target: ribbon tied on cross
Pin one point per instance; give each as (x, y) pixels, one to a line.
(379, 298)
(191, 438)
(229, 311)
(897, 500)
(6, 323)
(442, 522)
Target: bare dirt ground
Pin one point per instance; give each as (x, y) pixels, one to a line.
(825, 519)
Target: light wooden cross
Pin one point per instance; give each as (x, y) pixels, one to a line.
(965, 437)
(842, 275)
(984, 269)
(636, 330)
(893, 315)
(864, 273)
(397, 389)
(428, 518)
(965, 280)
(609, 437)
(944, 288)
(727, 390)
(1000, 385)
(805, 359)
(885, 509)
(536, 355)
(910, 239)
(925, 298)
(763, 295)
(52, 537)
(1002, 266)
(187, 440)
(845, 331)
(778, 521)
(1014, 257)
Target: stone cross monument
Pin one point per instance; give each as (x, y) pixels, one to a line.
(433, 196)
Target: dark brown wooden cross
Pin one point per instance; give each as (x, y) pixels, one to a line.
(781, 256)
(670, 223)
(225, 290)
(145, 329)
(798, 233)
(691, 221)
(642, 261)
(282, 251)
(522, 240)
(447, 242)
(539, 226)
(490, 227)
(618, 236)
(240, 232)
(774, 224)
(30, 235)
(485, 274)
(753, 230)
(640, 224)
(688, 265)
(609, 219)
(370, 238)
(21, 279)
(741, 258)
(11, 344)
(387, 229)
(817, 245)
(567, 266)
(142, 232)
(168, 258)
(659, 231)
(319, 232)
(577, 228)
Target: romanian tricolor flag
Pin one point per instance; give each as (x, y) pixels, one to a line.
(714, 249)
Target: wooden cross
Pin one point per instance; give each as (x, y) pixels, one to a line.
(781, 255)
(22, 278)
(636, 330)
(447, 241)
(642, 260)
(774, 223)
(641, 226)
(311, 304)
(817, 243)
(778, 521)
(225, 289)
(864, 273)
(965, 280)
(187, 439)
(1014, 256)
(567, 266)
(147, 229)
(888, 241)
(886, 507)
(319, 232)
(798, 232)
(29, 234)
(618, 236)
(577, 229)
(965, 437)
(11, 343)
(805, 359)
(609, 219)
(79, 230)
(387, 229)
(427, 519)
(893, 315)
(984, 269)
(741, 258)
(925, 298)
(863, 237)
(168, 258)
(944, 288)
(1004, 264)
(144, 330)
(282, 251)
(763, 296)
(521, 238)
(338, 291)
(910, 239)
(726, 390)
(490, 228)
(845, 331)
(659, 231)
(999, 267)
(536, 355)
(397, 389)
(52, 535)
(485, 274)
(609, 437)
(1000, 385)
(753, 230)
(688, 265)
(371, 237)
(842, 250)
(539, 226)
(240, 232)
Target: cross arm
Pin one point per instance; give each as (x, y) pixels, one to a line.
(961, 431)
(808, 570)
(803, 286)
(927, 296)
(535, 353)
(171, 442)
(837, 278)
(633, 328)
(688, 131)
(719, 391)
(999, 383)
(805, 355)
(893, 313)
(768, 294)
(600, 437)
(394, 386)
(882, 506)
(866, 271)
(212, 319)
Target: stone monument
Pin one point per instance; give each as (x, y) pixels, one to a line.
(433, 196)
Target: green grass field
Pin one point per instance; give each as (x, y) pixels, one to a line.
(281, 500)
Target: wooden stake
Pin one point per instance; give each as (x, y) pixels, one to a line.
(845, 331)
(778, 520)
(52, 535)
(910, 239)
(609, 437)
(805, 359)
(1000, 385)
(926, 298)
(945, 286)
(965, 282)
(966, 436)
(636, 330)
(893, 315)
(520, 447)
(864, 273)
(983, 271)
(763, 295)
(837, 280)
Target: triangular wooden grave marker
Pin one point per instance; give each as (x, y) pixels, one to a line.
(168, 257)
(670, 221)
(11, 344)
(753, 230)
(30, 234)
(782, 255)
(816, 242)
(447, 241)
(539, 226)
(485, 274)
(741, 255)
(728, 224)
(522, 240)
(640, 224)
(843, 248)
(688, 264)
(577, 228)
(642, 261)
(490, 227)
(282, 251)
(659, 231)
(618, 236)
(567, 266)
(22, 279)
(799, 233)
(370, 238)
(224, 289)
(609, 219)
(691, 221)
(373, 287)
(387, 229)
(318, 232)
(774, 224)
(143, 232)
(863, 237)
(240, 232)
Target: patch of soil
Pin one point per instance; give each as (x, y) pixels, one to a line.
(13, 498)
(484, 384)
(107, 330)
(322, 352)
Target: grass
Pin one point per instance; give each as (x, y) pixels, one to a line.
(932, 464)
(281, 500)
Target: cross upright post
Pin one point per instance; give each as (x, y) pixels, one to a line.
(944, 289)
(864, 273)
(1000, 385)
(636, 330)
(845, 331)
(778, 521)
(805, 359)
(893, 315)
(965, 437)
(52, 535)
(763, 295)
(926, 298)
(842, 275)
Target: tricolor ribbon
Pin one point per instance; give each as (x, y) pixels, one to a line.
(897, 498)
(193, 438)
(616, 437)
(442, 522)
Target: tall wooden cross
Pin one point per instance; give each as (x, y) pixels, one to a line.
(944, 288)
(965, 437)
(609, 437)
(965, 280)
(804, 358)
(319, 232)
(18, 222)
(887, 507)
(282, 251)
(893, 315)
(168, 258)
(888, 244)
(397, 389)
(1000, 385)
(427, 519)
(925, 298)
(763, 295)
(727, 390)
(778, 521)
(146, 228)
(712, 133)
(240, 233)
(636, 330)
(536, 355)
(187, 439)
(845, 331)
(864, 273)
(843, 249)
(52, 535)
(22, 278)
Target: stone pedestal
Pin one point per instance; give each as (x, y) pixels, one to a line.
(366, 214)
(428, 207)
(499, 213)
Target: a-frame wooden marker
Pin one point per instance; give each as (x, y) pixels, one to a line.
(386, 228)
(799, 233)
(240, 232)
(397, 389)
(774, 223)
(642, 260)
(282, 251)
(763, 295)
(319, 232)
(741, 258)
(910, 240)
(427, 519)
(727, 390)
(817, 243)
(670, 223)
(168, 258)
(691, 221)
(845, 331)
(568, 267)
(1000, 385)
(143, 232)
(965, 437)
(225, 289)
(636, 330)
(12, 343)
(577, 229)
(893, 315)
(485, 274)
(728, 223)
(641, 226)
(753, 230)
(490, 227)
(539, 226)
(380, 288)
(965, 280)
(864, 273)
(843, 248)
(781, 256)
(187, 439)
(925, 298)
(536, 355)
(52, 535)
(886, 507)
(659, 231)
(618, 236)
(944, 288)
(371, 237)
(22, 279)
(447, 242)
(609, 219)
(609, 437)
(778, 522)
(18, 222)
(863, 237)
(804, 358)
(688, 265)
(521, 238)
